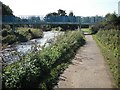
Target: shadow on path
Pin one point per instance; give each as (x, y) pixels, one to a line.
(89, 70)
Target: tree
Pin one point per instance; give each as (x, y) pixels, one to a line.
(7, 13)
(71, 13)
(61, 16)
(61, 12)
(112, 20)
(6, 9)
(52, 14)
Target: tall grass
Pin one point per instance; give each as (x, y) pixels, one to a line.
(109, 41)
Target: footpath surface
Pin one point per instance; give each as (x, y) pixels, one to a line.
(88, 69)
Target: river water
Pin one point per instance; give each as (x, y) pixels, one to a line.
(25, 47)
(13, 54)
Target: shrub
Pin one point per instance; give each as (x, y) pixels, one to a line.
(94, 29)
(4, 33)
(36, 34)
(21, 35)
(9, 39)
(41, 69)
(30, 33)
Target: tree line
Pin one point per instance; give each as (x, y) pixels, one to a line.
(111, 21)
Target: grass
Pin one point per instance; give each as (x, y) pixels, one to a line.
(86, 30)
(110, 59)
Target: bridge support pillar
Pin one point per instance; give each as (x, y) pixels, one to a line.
(79, 27)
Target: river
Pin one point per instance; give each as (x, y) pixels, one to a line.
(15, 52)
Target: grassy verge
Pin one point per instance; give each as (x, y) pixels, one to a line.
(111, 60)
(42, 69)
(86, 30)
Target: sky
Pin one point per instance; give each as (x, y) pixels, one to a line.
(78, 7)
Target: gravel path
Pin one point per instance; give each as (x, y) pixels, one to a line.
(88, 70)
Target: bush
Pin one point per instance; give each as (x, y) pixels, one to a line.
(94, 28)
(110, 38)
(30, 33)
(4, 33)
(41, 69)
(36, 34)
(21, 35)
(9, 39)
(8, 27)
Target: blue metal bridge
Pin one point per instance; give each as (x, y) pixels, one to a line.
(74, 20)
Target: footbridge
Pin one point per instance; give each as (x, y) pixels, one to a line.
(73, 20)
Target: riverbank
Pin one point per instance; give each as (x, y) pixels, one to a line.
(15, 52)
(19, 35)
(41, 69)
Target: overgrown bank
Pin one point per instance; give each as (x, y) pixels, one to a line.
(41, 69)
(19, 35)
(109, 42)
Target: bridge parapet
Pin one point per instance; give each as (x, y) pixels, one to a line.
(46, 20)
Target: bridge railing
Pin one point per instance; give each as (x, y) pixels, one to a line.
(46, 20)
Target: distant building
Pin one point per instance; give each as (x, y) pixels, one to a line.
(119, 8)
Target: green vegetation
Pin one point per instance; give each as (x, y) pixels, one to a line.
(41, 69)
(111, 21)
(86, 30)
(21, 35)
(110, 47)
(30, 33)
(107, 36)
(61, 16)
(6, 9)
(10, 36)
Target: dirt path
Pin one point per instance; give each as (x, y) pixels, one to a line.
(89, 70)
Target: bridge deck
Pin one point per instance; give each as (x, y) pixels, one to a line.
(76, 20)
(48, 23)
